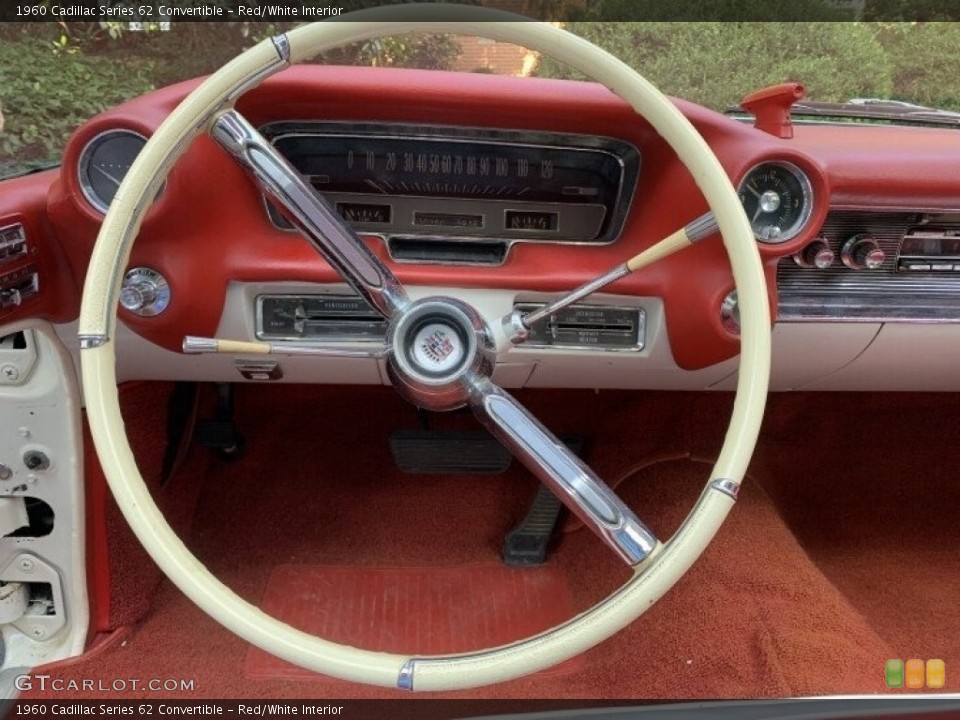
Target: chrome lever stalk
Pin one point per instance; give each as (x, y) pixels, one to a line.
(193, 345)
(516, 325)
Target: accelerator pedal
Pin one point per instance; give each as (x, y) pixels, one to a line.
(527, 543)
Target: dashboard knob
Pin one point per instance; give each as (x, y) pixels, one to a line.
(862, 252)
(816, 255)
(144, 292)
(730, 313)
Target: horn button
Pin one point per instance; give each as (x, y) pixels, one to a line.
(440, 348)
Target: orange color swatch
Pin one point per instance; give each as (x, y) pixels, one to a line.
(915, 671)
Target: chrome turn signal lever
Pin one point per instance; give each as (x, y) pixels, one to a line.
(193, 345)
(516, 325)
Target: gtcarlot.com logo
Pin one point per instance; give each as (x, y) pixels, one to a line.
(25, 683)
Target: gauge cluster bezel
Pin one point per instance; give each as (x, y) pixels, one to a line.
(608, 226)
(808, 194)
(83, 164)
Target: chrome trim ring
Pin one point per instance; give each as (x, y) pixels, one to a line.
(405, 677)
(92, 341)
(282, 43)
(730, 313)
(441, 388)
(89, 194)
(807, 197)
(730, 488)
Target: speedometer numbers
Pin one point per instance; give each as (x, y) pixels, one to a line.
(777, 198)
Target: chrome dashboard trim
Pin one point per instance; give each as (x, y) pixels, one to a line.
(386, 240)
(839, 294)
(607, 278)
(630, 162)
(641, 331)
(264, 336)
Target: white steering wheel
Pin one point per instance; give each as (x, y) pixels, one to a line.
(458, 375)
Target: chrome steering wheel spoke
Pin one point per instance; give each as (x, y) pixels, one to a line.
(568, 477)
(310, 213)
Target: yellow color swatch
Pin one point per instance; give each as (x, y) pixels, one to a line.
(936, 674)
(914, 674)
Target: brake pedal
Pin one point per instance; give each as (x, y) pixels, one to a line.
(448, 452)
(220, 434)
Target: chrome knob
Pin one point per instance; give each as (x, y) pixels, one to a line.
(144, 292)
(136, 297)
(816, 255)
(730, 313)
(862, 252)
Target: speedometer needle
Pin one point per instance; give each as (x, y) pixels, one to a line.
(109, 177)
(753, 190)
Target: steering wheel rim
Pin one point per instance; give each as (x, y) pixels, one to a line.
(652, 577)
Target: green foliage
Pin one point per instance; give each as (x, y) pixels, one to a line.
(713, 10)
(46, 92)
(55, 76)
(923, 58)
(428, 52)
(716, 64)
(912, 10)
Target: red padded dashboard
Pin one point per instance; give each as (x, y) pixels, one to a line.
(209, 226)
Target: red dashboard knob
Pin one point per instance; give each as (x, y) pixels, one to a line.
(816, 255)
(862, 252)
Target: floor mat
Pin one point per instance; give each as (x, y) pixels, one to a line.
(405, 610)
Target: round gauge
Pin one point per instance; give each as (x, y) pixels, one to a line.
(778, 200)
(104, 162)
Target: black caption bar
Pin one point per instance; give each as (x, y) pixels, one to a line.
(172, 11)
(405, 708)
(863, 708)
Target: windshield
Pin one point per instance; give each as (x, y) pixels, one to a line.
(56, 75)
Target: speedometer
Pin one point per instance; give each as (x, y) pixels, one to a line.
(429, 181)
(778, 199)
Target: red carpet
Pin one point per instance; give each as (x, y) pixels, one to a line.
(413, 610)
(837, 557)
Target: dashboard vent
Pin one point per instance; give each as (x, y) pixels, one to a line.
(447, 252)
(588, 327)
(13, 243)
(322, 318)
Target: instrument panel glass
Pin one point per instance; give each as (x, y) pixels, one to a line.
(451, 181)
